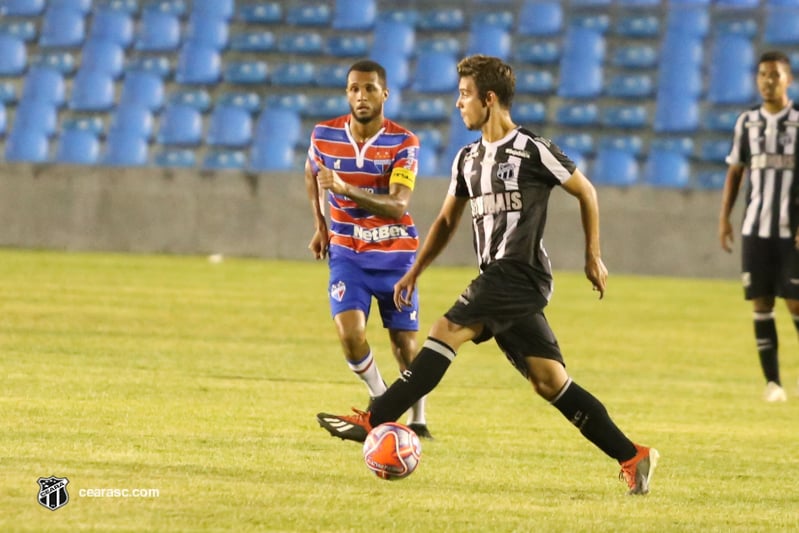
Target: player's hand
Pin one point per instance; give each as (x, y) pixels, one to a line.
(329, 180)
(726, 238)
(403, 291)
(597, 274)
(319, 243)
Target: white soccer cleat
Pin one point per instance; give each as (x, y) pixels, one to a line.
(774, 393)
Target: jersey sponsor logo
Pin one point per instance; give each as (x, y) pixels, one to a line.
(337, 291)
(524, 154)
(411, 158)
(492, 204)
(383, 233)
(753, 124)
(790, 123)
(776, 161)
(506, 171)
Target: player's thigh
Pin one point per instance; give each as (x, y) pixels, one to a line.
(760, 266)
(348, 289)
(528, 340)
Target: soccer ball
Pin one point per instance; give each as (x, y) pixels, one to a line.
(392, 451)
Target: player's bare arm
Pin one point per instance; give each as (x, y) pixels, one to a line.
(392, 205)
(320, 240)
(732, 185)
(441, 231)
(582, 189)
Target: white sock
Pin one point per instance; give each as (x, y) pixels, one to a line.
(416, 412)
(367, 370)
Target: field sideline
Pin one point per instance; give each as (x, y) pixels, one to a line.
(202, 380)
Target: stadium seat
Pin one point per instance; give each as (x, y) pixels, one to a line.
(624, 116)
(347, 46)
(593, 21)
(274, 123)
(196, 98)
(427, 163)
(78, 146)
(21, 8)
(632, 144)
(711, 179)
(737, 4)
(397, 68)
(271, 156)
(220, 159)
(489, 40)
(103, 56)
(667, 168)
(584, 44)
(198, 64)
(676, 113)
(731, 71)
(637, 25)
(631, 86)
(635, 56)
(62, 61)
(21, 29)
(297, 73)
(44, 84)
(309, 15)
(446, 19)
(261, 13)
(615, 167)
(214, 8)
(8, 92)
(180, 124)
(681, 144)
(171, 7)
(133, 120)
(401, 43)
(580, 77)
(500, 18)
(575, 144)
(430, 139)
(638, 3)
(142, 88)
(81, 6)
(124, 149)
(112, 25)
(24, 145)
(231, 124)
(537, 52)
(354, 14)
(534, 81)
(720, 119)
(245, 72)
(435, 73)
(425, 110)
(304, 43)
(131, 7)
(331, 75)
(62, 27)
(540, 18)
(327, 106)
(406, 15)
(3, 119)
(13, 56)
(294, 101)
(690, 20)
(158, 65)
(715, 151)
(175, 157)
(743, 26)
(92, 123)
(577, 114)
(158, 32)
(92, 91)
(530, 112)
(206, 30)
(253, 41)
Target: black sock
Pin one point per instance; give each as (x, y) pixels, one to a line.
(586, 412)
(766, 337)
(423, 374)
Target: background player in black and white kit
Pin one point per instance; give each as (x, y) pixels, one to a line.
(765, 144)
(505, 177)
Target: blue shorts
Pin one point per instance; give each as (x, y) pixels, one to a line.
(352, 287)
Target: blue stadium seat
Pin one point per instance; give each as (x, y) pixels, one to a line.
(62, 27)
(231, 124)
(181, 125)
(681, 144)
(584, 44)
(780, 27)
(593, 21)
(720, 119)
(175, 157)
(501, 18)
(632, 144)
(297, 73)
(305, 42)
(577, 114)
(489, 40)
(430, 139)
(214, 8)
(131, 7)
(207, 30)
(631, 86)
(347, 46)
(737, 4)
(21, 29)
(273, 123)
(425, 110)
(81, 6)
(271, 156)
(427, 163)
(142, 88)
(78, 146)
(158, 32)
(194, 97)
(220, 159)
(354, 14)
(157, 65)
(103, 56)
(8, 92)
(446, 44)
(624, 116)
(580, 77)
(62, 61)
(92, 91)
(731, 72)
(25, 145)
(692, 20)
(402, 41)
(714, 150)
(638, 3)
(534, 81)
(198, 64)
(309, 15)
(331, 75)
(637, 25)
(171, 7)
(261, 13)
(447, 19)
(540, 18)
(615, 167)
(92, 123)
(21, 8)
(397, 68)
(112, 25)
(711, 179)
(327, 106)
(676, 113)
(44, 84)
(743, 26)
(575, 144)
(132, 119)
(3, 120)
(530, 112)
(537, 52)
(667, 168)
(123, 149)
(253, 41)
(13, 56)
(635, 56)
(435, 73)
(294, 101)
(245, 72)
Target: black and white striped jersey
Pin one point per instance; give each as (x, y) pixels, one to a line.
(508, 184)
(765, 144)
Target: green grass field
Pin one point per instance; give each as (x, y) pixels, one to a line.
(202, 381)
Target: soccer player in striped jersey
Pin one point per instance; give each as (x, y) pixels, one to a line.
(764, 148)
(505, 177)
(366, 166)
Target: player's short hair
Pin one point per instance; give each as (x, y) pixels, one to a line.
(367, 65)
(489, 74)
(775, 55)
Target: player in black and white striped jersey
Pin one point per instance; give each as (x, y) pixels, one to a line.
(764, 148)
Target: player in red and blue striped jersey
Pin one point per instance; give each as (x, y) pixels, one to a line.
(364, 167)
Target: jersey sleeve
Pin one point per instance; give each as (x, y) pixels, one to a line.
(406, 163)
(457, 184)
(739, 151)
(555, 163)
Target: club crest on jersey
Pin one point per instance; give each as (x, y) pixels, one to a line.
(507, 170)
(337, 291)
(785, 139)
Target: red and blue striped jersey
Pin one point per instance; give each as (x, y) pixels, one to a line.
(390, 156)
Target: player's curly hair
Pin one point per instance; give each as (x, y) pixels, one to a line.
(490, 74)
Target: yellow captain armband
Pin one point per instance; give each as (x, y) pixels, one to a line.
(403, 176)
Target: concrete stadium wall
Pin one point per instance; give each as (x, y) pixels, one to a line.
(645, 231)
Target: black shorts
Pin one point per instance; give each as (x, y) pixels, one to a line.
(770, 267)
(506, 301)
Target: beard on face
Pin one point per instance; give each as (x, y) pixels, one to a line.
(364, 119)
